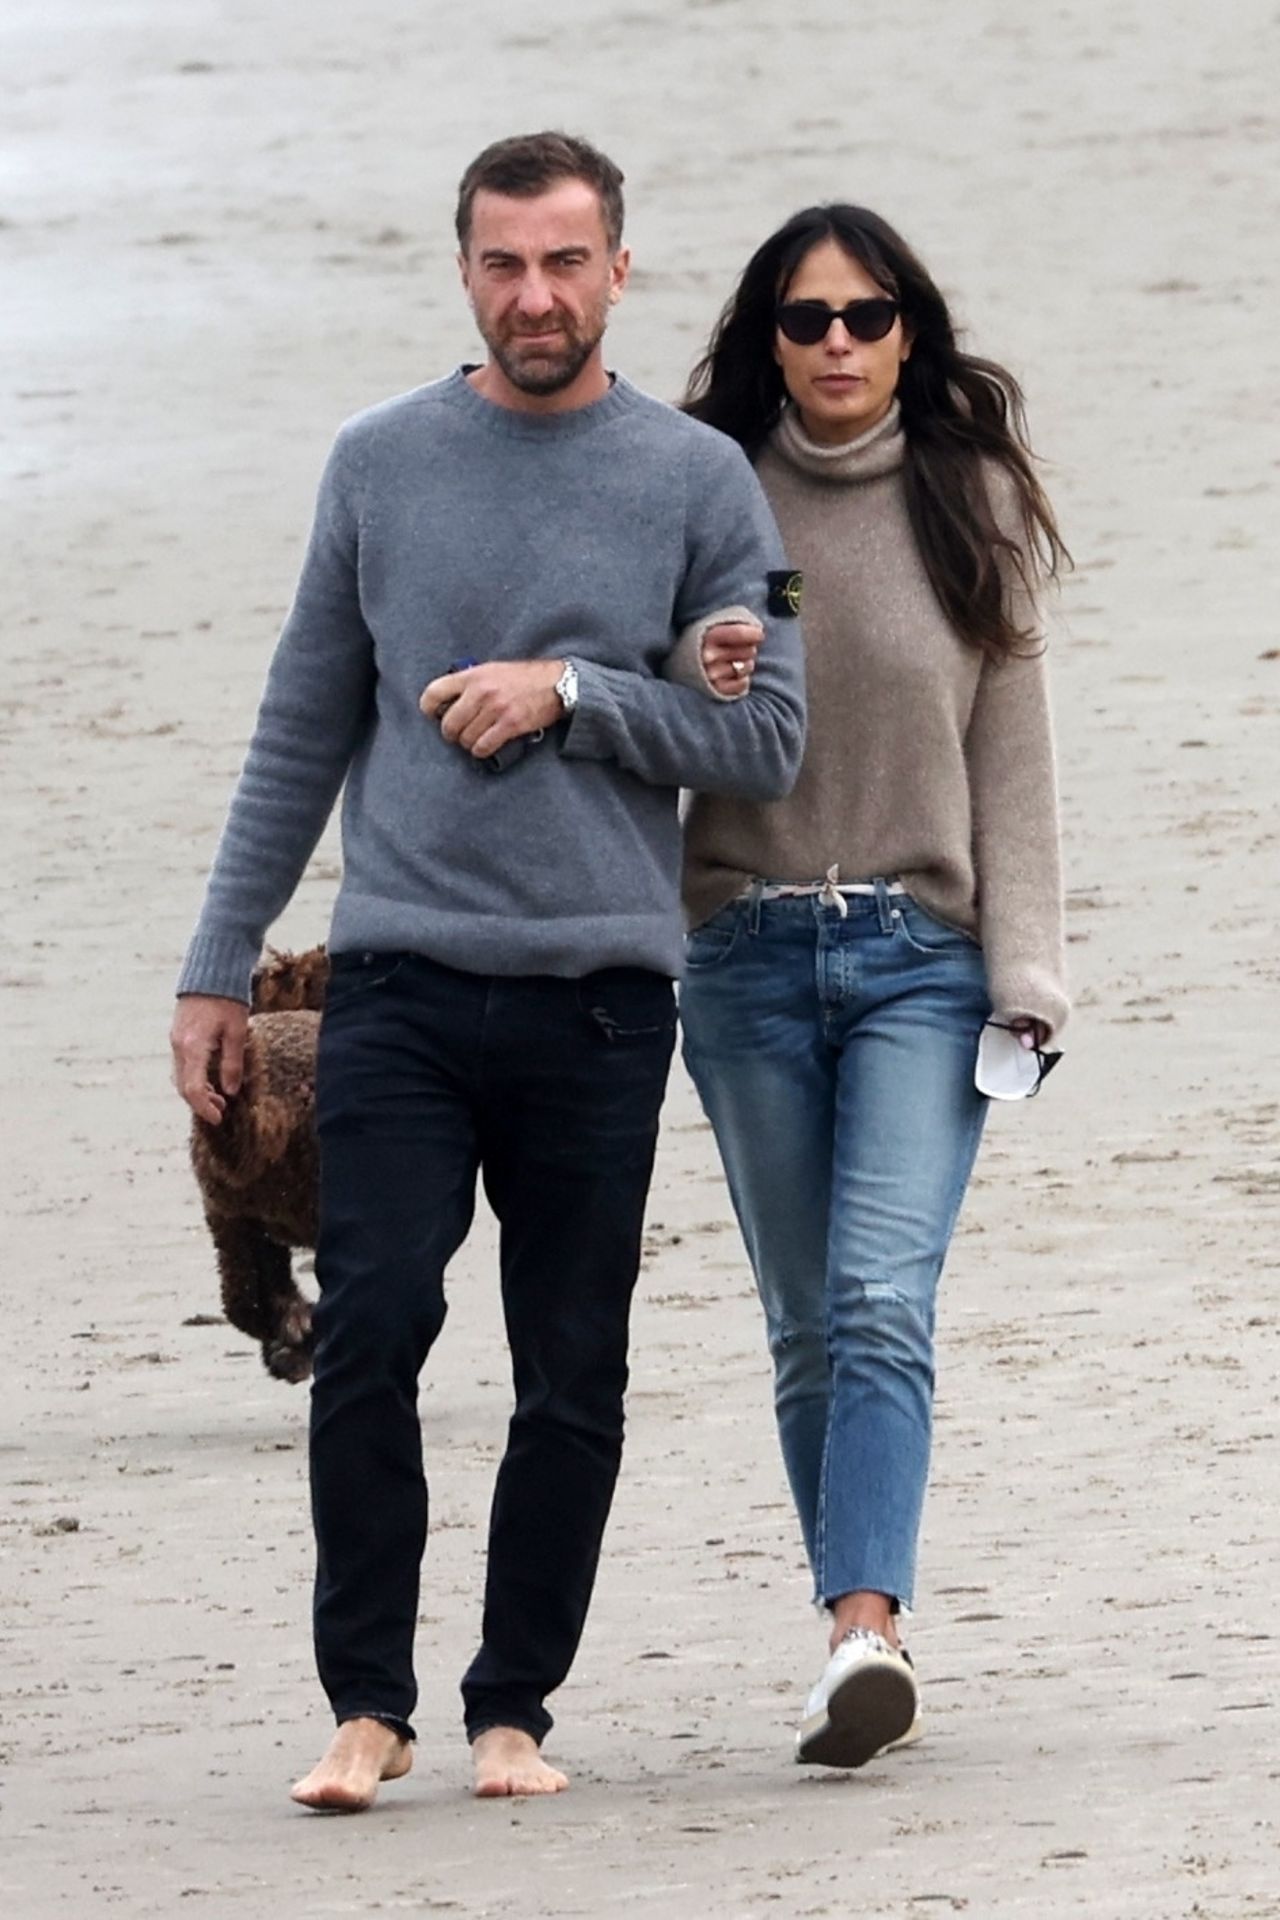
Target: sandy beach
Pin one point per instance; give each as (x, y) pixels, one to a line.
(224, 228)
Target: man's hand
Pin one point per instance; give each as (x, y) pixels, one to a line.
(207, 1029)
(483, 707)
(729, 655)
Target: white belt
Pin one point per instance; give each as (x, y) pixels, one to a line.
(831, 891)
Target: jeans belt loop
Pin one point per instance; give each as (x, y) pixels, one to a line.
(884, 912)
(755, 904)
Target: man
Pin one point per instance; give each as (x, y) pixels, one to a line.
(503, 943)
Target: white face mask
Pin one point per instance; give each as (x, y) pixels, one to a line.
(1005, 1069)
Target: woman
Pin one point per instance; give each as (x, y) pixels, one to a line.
(850, 942)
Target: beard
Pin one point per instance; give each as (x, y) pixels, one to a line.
(540, 366)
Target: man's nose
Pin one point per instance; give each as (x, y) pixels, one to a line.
(535, 296)
(839, 340)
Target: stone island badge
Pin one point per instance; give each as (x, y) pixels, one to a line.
(785, 590)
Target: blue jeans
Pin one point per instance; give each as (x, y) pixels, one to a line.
(550, 1090)
(834, 1057)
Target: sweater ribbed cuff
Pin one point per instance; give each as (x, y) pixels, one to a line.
(1034, 993)
(582, 738)
(221, 964)
(684, 665)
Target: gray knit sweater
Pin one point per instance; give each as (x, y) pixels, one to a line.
(449, 528)
(925, 758)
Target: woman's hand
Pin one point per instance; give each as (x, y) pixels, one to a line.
(729, 655)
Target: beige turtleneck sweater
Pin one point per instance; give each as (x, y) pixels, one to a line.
(925, 758)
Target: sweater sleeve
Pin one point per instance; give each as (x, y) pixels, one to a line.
(1017, 857)
(672, 735)
(684, 664)
(313, 711)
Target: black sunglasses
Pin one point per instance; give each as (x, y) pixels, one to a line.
(805, 322)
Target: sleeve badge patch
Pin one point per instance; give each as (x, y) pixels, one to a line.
(785, 591)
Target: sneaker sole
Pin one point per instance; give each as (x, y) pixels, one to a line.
(911, 1738)
(873, 1708)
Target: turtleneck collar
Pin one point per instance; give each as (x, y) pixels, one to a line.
(876, 452)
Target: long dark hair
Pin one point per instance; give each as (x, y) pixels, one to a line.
(959, 414)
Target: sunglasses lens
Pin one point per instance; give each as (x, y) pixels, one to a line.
(805, 323)
(870, 319)
(804, 326)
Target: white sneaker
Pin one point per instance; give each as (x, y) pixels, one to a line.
(866, 1701)
(914, 1733)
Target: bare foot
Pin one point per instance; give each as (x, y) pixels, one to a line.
(361, 1755)
(507, 1761)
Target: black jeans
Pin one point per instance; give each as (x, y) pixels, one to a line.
(552, 1089)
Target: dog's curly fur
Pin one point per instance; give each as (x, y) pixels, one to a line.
(258, 1170)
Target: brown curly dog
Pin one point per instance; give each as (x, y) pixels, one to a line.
(258, 1172)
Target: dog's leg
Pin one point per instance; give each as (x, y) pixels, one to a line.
(260, 1298)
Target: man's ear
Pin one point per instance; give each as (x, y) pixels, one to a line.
(463, 273)
(619, 274)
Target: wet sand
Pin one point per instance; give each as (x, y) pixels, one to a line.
(221, 233)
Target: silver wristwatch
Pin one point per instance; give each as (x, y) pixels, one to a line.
(567, 687)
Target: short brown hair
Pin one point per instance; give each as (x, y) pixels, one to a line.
(527, 164)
